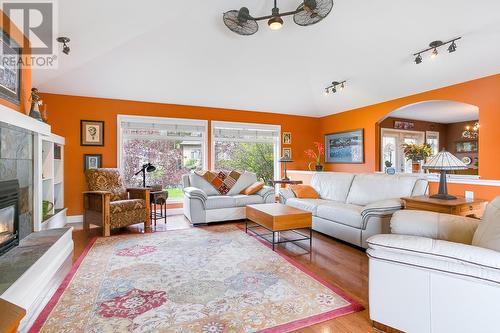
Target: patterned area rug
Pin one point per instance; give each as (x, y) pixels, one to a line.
(208, 280)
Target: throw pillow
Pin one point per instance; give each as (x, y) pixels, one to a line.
(487, 234)
(304, 191)
(252, 189)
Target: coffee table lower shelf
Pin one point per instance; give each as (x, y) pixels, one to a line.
(275, 237)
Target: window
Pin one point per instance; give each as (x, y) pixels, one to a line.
(392, 151)
(173, 146)
(246, 147)
(432, 139)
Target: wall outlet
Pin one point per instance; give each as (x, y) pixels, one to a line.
(469, 195)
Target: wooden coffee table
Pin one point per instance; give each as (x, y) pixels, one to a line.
(277, 218)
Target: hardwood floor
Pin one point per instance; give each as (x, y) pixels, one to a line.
(336, 262)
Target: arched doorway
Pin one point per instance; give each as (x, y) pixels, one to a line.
(442, 124)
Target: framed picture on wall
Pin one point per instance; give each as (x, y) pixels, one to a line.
(287, 138)
(404, 125)
(10, 70)
(91, 133)
(92, 161)
(287, 153)
(345, 147)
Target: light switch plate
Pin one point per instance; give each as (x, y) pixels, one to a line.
(469, 195)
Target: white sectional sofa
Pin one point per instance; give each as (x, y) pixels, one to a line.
(203, 203)
(437, 273)
(353, 207)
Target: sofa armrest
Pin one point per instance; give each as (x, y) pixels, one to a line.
(440, 255)
(381, 208)
(265, 192)
(285, 194)
(452, 228)
(195, 193)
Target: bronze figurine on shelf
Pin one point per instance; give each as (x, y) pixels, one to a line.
(36, 102)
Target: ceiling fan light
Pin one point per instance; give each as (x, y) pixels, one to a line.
(275, 23)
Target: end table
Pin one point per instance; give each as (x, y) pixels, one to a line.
(460, 206)
(158, 198)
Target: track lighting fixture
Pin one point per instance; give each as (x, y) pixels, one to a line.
(452, 47)
(64, 41)
(332, 88)
(434, 47)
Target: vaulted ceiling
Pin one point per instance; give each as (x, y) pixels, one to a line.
(180, 52)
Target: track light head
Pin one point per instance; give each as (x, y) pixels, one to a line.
(434, 53)
(326, 92)
(64, 41)
(418, 59)
(452, 48)
(342, 86)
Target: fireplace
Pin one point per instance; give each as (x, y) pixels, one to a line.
(9, 215)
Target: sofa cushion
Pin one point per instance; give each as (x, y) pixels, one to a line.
(198, 182)
(304, 191)
(343, 213)
(487, 234)
(252, 189)
(309, 205)
(220, 201)
(368, 188)
(332, 185)
(242, 200)
(246, 179)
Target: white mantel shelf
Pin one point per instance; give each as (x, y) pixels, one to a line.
(433, 178)
(19, 119)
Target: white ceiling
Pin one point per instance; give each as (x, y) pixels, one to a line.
(444, 112)
(180, 52)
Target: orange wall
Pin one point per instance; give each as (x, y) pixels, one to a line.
(18, 36)
(484, 93)
(65, 113)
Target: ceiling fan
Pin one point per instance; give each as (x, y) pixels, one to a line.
(307, 13)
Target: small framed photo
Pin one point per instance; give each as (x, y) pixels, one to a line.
(92, 161)
(404, 125)
(287, 153)
(287, 138)
(91, 133)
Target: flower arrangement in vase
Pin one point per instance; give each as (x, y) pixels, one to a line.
(416, 153)
(316, 155)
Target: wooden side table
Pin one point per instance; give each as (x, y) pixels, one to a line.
(460, 206)
(283, 182)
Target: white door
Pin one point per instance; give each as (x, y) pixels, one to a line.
(392, 150)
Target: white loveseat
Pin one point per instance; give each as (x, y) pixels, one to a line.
(353, 207)
(203, 203)
(437, 273)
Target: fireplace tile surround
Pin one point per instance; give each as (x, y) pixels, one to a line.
(16, 162)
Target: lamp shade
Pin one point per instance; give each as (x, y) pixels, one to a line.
(444, 161)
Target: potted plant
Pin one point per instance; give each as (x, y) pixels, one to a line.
(316, 155)
(416, 153)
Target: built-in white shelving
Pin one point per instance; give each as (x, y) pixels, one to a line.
(51, 187)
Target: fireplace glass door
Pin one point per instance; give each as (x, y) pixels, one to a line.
(7, 224)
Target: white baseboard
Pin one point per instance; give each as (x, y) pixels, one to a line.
(74, 219)
(79, 218)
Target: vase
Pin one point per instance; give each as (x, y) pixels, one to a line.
(416, 167)
(319, 167)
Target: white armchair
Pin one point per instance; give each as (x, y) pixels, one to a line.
(437, 272)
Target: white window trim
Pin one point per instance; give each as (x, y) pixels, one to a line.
(277, 149)
(161, 120)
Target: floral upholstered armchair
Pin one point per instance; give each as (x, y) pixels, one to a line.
(110, 205)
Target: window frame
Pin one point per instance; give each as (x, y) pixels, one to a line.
(161, 120)
(231, 124)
